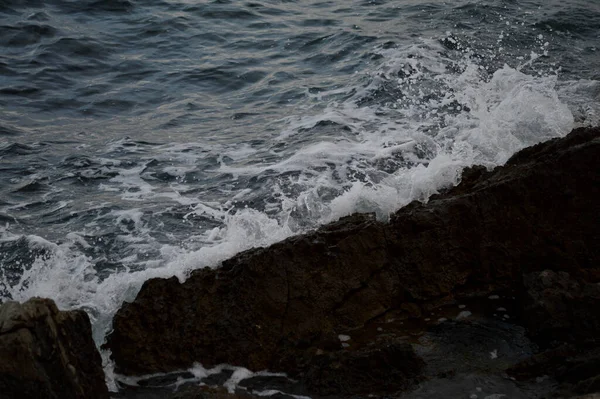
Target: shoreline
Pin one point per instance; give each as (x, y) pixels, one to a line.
(400, 302)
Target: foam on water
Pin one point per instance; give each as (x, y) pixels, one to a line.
(350, 152)
(197, 374)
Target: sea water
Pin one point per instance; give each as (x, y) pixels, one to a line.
(144, 139)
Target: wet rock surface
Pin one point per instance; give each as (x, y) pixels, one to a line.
(389, 367)
(561, 307)
(47, 353)
(516, 246)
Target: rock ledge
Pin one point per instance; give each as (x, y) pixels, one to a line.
(527, 232)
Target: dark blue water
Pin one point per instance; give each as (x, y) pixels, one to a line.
(167, 71)
(142, 139)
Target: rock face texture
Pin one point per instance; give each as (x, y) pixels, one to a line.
(387, 367)
(46, 353)
(560, 307)
(529, 229)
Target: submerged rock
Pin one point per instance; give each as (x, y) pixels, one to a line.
(282, 308)
(47, 353)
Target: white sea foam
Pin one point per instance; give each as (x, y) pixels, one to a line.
(198, 373)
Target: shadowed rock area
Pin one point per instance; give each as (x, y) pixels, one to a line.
(527, 233)
(47, 353)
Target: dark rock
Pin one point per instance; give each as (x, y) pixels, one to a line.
(254, 310)
(202, 392)
(281, 308)
(46, 353)
(576, 370)
(476, 385)
(579, 374)
(581, 367)
(543, 363)
(558, 307)
(187, 391)
(484, 346)
(390, 367)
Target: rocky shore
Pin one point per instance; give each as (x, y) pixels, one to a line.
(495, 280)
(47, 353)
